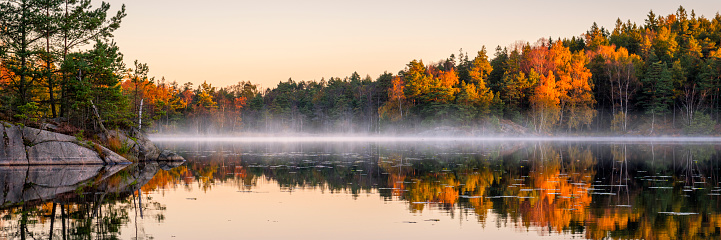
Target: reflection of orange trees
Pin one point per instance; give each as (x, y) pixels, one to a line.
(216, 168)
(166, 179)
(441, 186)
(699, 227)
(651, 226)
(615, 219)
(397, 182)
(444, 188)
(644, 221)
(436, 188)
(397, 172)
(242, 179)
(474, 185)
(205, 176)
(553, 195)
(557, 189)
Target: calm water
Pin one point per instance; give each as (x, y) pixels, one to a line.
(378, 190)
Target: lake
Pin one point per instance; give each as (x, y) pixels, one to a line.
(366, 188)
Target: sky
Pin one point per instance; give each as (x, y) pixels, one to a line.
(265, 42)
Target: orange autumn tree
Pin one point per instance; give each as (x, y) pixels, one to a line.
(205, 107)
(393, 108)
(136, 86)
(538, 57)
(159, 99)
(5, 75)
(575, 87)
(573, 83)
(442, 85)
(545, 102)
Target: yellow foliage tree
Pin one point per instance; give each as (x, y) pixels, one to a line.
(478, 73)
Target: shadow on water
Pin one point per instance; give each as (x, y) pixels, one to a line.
(73, 201)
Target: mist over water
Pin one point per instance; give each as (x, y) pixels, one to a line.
(322, 187)
(365, 139)
(558, 188)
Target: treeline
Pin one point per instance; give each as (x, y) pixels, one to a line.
(661, 77)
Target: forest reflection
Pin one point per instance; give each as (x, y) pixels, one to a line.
(600, 190)
(596, 190)
(76, 201)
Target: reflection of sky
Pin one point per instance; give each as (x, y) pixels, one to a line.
(226, 41)
(268, 212)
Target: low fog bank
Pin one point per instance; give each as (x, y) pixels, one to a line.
(492, 130)
(420, 138)
(504, 131)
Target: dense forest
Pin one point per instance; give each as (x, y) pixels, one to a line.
(661, 77)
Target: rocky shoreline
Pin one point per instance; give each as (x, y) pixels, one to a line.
(23, 145)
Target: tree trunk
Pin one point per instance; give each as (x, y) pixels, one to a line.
(48, 64)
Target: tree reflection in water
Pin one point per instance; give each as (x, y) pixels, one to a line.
(599, 190)
(76, 202)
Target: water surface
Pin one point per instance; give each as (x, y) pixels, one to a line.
(422, 189)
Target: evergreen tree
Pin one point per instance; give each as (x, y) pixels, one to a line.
(657, 91)
(96, 81)
(21, 23)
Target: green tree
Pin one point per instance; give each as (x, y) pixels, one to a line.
(79, 25)
(596, 36)
(657, 91)
(97, 82)
(416, 81)
(138, 77)
(21, 23)
(49, 27)
(38, 35)
(498, 65)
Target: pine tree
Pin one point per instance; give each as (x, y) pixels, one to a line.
(657, 91)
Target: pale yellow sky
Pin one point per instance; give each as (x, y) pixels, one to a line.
(226, 41)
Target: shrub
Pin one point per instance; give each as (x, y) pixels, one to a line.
(617, 122)
(118, 147)
(28, 113)
(701, 124)
(67, 129)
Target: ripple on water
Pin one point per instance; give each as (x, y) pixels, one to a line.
(679, 213)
